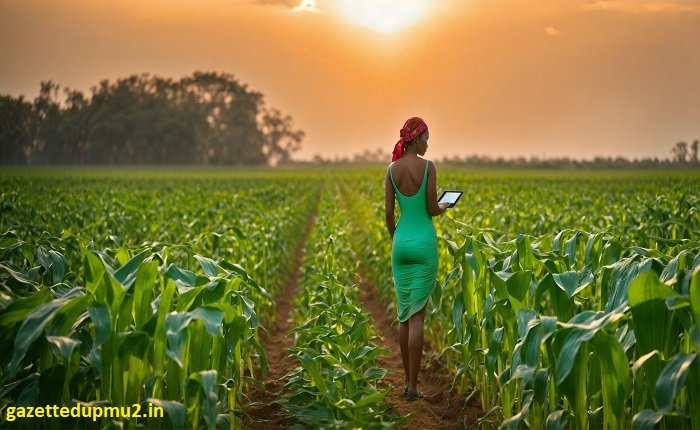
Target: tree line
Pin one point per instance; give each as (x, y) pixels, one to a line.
(208, 118)
(683, 155)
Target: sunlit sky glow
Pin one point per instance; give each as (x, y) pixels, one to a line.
(579, 78)
(385, 16)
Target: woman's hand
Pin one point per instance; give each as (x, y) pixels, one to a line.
(443, 206)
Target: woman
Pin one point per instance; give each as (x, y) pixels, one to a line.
(414, 253)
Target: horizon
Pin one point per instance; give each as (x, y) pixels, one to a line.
(581, 80)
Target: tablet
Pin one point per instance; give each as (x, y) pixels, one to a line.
(450, 197)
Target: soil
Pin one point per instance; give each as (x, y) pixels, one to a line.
(436, 410)
(261, 411)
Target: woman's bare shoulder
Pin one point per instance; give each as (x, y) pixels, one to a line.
(394, 165)
(431, 168)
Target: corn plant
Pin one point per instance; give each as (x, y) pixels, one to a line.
(544, 327)
(565, 300)
(335, 384)
(88, 317)
(139, 329)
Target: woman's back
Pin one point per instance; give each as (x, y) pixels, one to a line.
(415, 223)
(408, 174)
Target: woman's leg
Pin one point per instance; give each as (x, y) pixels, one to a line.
(403, 342)
(415, 347)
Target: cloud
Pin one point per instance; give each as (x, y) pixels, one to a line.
(293, 5)
(307, 6)
(637, 6)
(551, 31)
(285, 3)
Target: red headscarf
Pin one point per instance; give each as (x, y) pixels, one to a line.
(411, 129)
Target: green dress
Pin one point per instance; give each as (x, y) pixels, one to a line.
(414, 253)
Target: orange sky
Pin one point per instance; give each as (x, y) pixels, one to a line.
(493, 77)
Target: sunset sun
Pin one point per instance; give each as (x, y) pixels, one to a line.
(385, 16)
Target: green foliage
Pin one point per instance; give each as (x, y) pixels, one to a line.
(570, 301)
(553, 325)
(99, 342)
(335, 385)
(88, 316)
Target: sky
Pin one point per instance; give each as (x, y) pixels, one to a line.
(544, 78)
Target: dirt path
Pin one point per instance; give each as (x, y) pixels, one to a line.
(433, 411)
(263, 412)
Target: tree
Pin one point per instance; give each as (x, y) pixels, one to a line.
(75, 118)
(280, 139)
(44, 146)
(16, 129)
(206, 118)
(680, 152)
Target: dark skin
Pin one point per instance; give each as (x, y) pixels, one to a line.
(408, 176)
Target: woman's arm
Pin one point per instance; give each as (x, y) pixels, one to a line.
(389, 202)
(433, 207)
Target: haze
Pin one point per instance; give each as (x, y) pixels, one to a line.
(491, 77)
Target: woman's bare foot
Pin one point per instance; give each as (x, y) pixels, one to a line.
(413, 394)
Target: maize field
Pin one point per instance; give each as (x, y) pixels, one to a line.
(564, 300)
